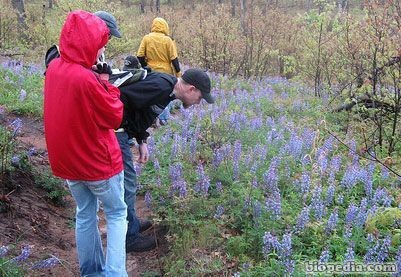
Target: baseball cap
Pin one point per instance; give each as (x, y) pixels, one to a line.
(199, 79)
(131, 62)
(110, 21)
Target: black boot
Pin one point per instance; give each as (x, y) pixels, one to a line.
(140, 243)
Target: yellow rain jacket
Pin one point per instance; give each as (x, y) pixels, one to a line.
(158, 48)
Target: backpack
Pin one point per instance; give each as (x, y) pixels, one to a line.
(117, 78)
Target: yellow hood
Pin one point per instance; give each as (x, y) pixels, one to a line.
(160, 25)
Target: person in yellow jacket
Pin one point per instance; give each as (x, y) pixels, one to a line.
(159, 52)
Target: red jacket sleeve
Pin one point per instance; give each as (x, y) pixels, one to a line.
(107, 106)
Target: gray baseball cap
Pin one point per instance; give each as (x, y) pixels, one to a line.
(110, 21)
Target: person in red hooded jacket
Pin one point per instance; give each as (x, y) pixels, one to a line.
(81, 111)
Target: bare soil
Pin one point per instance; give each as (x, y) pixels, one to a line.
(28, 218)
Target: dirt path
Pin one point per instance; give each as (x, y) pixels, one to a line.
(32, 220)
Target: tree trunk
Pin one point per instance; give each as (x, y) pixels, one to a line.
(243, 15)
(233, 8)
(158, 6)
(19, 6)
(142, 6)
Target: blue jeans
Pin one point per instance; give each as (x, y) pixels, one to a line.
(165, 115)
(89, 246)
(129, 184)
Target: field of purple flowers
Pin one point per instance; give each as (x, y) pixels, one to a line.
(256, 185)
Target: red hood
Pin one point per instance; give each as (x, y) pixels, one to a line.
(82, 36)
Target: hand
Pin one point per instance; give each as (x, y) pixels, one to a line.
(103, 69)
(143, 153)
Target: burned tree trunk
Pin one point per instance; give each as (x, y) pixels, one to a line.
(19, 6)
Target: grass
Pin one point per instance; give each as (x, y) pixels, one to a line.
(21, 88)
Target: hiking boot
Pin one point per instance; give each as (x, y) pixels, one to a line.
(140, 243)
(144, 225)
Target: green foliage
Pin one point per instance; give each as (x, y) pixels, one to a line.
(385, 221)
(21, 88)
(6, 149)
(53, 186)
(10, 269)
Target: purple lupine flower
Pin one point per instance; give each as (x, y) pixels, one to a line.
(236, 158)
(398, 263)
(362, 213)
(285, 253)
(385, 174)
(16, 126)
(366, 177)
(22, 95)
(382, 196)
(352, 152)
(25, 252)
(273, 205)
(176, 172)
(178, 183)
(322, 160)
(270, 243)
(175, 149)
(383, 252)
(332, 222)
(221, 154)
(192, 148)
(158, 182)
(317, 205)
(294, 146)
(148, 199)
(217, 158)
(347, 232)
(340, 199)
(182, 188)
(257, 211)
(303, 219)
(378, 251)
(219, 187)
(219, 212)
(271, 175)
(350, 254)
(246, 266)
(324, 256)
(308, 137)
(330, 195)
(351, 176)
(335, 164)
(32, 152)
(203, 184)
(47, 263)
(255, 183)
(256, 123)
(16, 161)
(151, 146)
(304, 184)
(138, 169)
(4, 250)
(352, 212)
(260, 152)
(156, 164)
